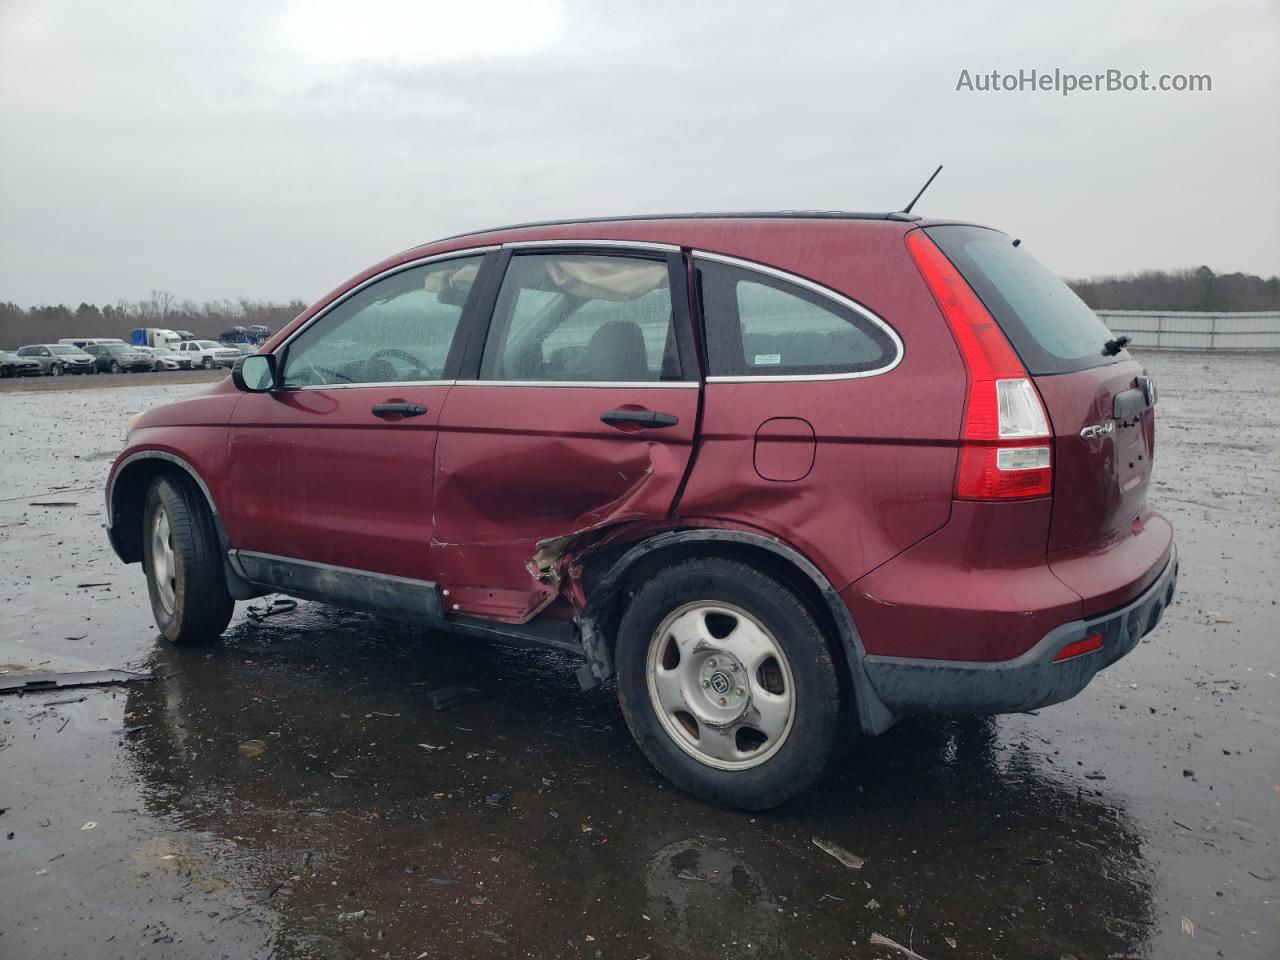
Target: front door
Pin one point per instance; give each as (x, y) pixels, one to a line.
(335, 467)
(582, 414)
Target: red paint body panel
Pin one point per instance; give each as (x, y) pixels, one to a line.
(521, 464)
(1100, 485)
(1109, 573)
(314, 475)
(978, 589)
(193, 429)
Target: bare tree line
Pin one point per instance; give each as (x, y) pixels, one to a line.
(1180, 290)
(160, 308)
(1198, 289)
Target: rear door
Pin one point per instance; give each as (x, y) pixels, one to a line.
(335, 467)
(579, 412)
(1100, 403)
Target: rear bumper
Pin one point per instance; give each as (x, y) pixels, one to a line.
(909, 685)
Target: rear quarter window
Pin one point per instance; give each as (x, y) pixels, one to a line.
(1052, 329)
(762, 324)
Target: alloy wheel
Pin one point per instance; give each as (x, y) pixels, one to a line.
(164, 567)
(720, 685)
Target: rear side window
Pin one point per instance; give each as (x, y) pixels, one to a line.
(593, 319)
(1051, 328)
(761, 325)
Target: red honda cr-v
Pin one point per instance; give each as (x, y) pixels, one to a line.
(788, 476)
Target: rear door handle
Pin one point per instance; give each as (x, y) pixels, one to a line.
(398, 409)
(639, 418)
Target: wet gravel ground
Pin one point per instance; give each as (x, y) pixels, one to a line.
(291, 793)
(98, 381)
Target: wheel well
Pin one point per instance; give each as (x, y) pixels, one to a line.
(607, 597)
(129, 497)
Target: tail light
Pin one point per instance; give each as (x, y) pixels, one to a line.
(1005, 451)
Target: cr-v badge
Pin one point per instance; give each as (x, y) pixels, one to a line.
(1099, 430)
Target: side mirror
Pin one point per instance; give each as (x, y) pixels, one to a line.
(255, 373)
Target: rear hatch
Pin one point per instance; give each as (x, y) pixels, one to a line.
(1100, 404)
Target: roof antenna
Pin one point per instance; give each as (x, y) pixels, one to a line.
(922, 190)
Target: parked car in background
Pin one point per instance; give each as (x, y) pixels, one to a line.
(120, 357)
(234, 335)
(55, 359)
(246, 348)
(83, 342)
(259, 333)
(166, 358)
(207, 353)
(12, 365)
(788, 477)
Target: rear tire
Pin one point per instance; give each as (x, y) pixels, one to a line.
(745, 709)
(183, 562)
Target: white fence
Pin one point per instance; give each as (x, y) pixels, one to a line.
(1154, 329)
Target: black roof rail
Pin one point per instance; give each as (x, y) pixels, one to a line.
(728, 215)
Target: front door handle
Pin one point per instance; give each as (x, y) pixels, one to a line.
(648, 419)
(398, 409)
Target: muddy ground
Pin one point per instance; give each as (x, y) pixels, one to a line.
(291, 793)
(98, 381)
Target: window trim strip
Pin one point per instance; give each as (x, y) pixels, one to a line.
(822, 291)
(612, 384)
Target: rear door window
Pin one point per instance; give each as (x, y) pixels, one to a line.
(564, 318)
(1051, 328)
(759, 324)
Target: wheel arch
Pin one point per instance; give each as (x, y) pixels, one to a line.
(127, 494)
(126, 498)
(611, 580)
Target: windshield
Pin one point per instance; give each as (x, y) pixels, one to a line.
(62, 349)
(209, 345)
(1051, 328)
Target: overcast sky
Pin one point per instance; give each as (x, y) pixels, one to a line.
(273, 149)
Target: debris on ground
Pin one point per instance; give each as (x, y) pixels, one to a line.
(278, 605)
(85, 586)
(353, 915)
(253, 748)
(1211, 617)
(430, 746)
(840, 853)
(446, 698)
(880, 940)
(89, 825)
(53, 503)
(36, 682)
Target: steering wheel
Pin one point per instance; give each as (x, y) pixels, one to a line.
(420, 372)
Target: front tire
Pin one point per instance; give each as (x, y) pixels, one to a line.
(207, 363)
(728, 684)
(55, 370)
(183, 563)
(116, 368)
